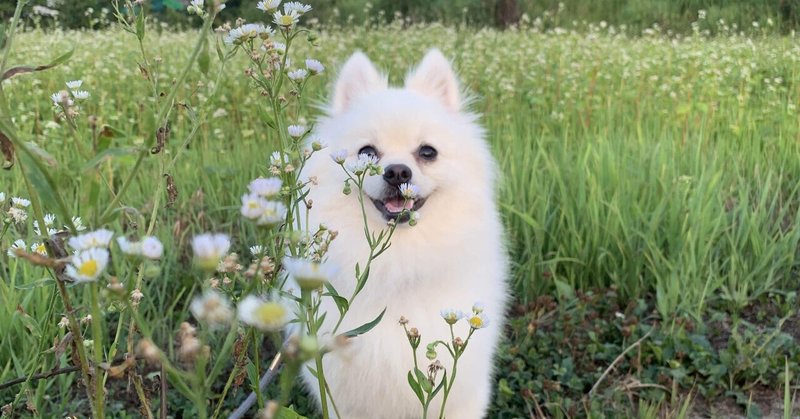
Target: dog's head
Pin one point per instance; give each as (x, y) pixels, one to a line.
(418, 134)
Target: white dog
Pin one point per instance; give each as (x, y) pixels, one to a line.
(453, 257)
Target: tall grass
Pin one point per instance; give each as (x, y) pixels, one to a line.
(663, 166)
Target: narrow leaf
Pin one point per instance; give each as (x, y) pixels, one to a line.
(365, 327)
(415, 387)
(108, 154)
(35, 284)
(13, 71)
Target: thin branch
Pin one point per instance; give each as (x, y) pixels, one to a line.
(53, 373)
(617, 360)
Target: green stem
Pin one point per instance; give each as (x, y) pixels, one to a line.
(257, 362)
(97, 340)
(309, 305)
(11, 31)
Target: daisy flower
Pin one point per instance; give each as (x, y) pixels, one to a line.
(296, 131)
(451, 316)
(257, 250)
(297, 75)
(339, 156)
(364, 162)
(74, 84)
(265, 187)
(286, 20)
(268, 316)
(78, 223)
(80, 94)
(97, 238)
(409, 191)
(478, 321)
(296, 7)
(314, 66)
(253, 206)
(273, 213)
(87, 265)
(308, 274)
(477, 308)
(39, 248)
(212, 307)
(128, 247)
(20, 202)
(152, 248)
(268, 5)
(18, 244)
(278, 159)
(209, 248)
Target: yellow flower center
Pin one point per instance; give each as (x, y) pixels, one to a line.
(270, 314)
(476, 322)
(89, 268)
(286, 20)
(41, 249)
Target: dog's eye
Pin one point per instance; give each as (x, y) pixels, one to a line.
(368, 150)
(427, 152)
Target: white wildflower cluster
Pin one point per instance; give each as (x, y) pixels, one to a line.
(149, 247)
(91, 255)
(313, 67)
(259, 204)
(49, 222)
(65, 99)
(17, 212)
(366, 163)
(476, 318)
(308, 274)
(248, 32)
(209, 249)
(196, 7)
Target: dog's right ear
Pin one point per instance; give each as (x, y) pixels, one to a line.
(357, 78)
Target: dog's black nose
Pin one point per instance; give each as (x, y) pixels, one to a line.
(397, 174)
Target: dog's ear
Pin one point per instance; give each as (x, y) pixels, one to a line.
(358, 77)
(435, 78)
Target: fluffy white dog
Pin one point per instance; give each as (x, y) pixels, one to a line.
(453, 257)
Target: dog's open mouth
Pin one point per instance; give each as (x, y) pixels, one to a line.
(394, 207)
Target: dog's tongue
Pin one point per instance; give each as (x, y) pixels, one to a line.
(396, 204)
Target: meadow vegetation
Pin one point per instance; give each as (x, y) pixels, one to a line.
(649, 189)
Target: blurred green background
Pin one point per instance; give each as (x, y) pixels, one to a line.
(674, 15)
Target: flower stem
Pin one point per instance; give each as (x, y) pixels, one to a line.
(97, 340)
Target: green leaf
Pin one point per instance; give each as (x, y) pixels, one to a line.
(362, 280)
(35, 284)
(252, 376)
(204, 60)
(365, 327)
(140, 24)
(440, 386)
(415, 387)
(13, 71)
(288, 413)
(220, 54)
(341, 303)
(43, 155)
(30, 323)
(108, 154)
(565, 291)
(423, 381)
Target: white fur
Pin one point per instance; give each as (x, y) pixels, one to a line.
(453, 257)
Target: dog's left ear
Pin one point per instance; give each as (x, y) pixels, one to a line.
(435, 78)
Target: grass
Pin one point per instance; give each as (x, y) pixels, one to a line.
(664, 168)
